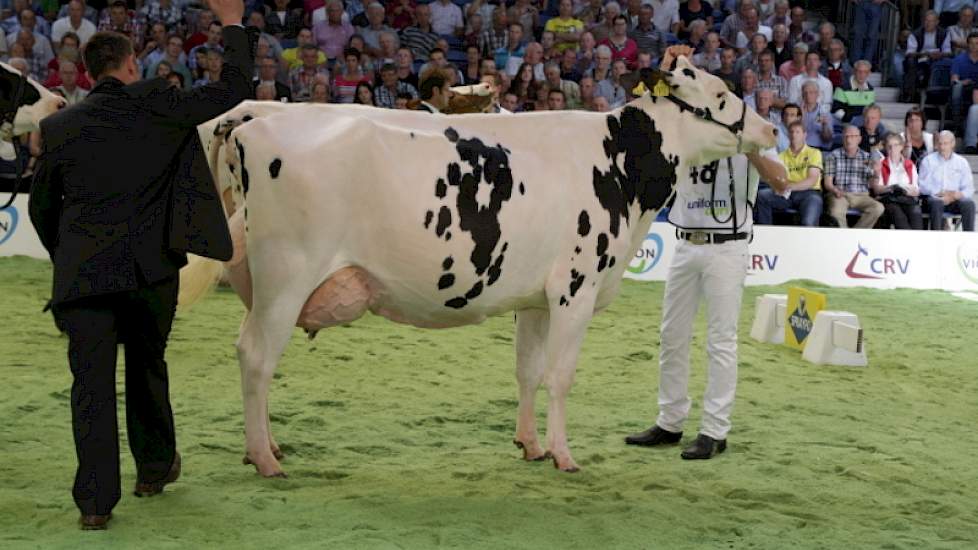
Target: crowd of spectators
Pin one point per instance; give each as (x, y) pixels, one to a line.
(785, 59)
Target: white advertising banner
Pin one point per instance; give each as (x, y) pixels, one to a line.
(837, 257)
(17, 236)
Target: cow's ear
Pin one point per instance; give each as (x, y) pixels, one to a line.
(656, 81)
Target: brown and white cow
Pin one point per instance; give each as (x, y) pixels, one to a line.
(441, 221)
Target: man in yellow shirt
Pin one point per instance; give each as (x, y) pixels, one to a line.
(291, 55)
(567, 30)
(804, 191)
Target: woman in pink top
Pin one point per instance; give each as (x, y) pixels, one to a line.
(621, 46)
(345, 82)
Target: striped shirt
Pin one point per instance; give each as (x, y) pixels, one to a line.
(776, 83)
(419, 42)
(849, 174)
(383, 97)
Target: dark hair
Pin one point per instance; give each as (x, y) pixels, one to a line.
(70, 34)
(404, 95)
(791, 106)
(178, 75)
(557, 91)
(351, 51)
(356, 94)
(105, 52)
(916, 112)
(435, 80)
(972, 34)
(434, 51)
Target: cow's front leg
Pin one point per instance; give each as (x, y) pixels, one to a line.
(568, 324)
(531, 362)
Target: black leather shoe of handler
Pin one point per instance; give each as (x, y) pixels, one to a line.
(654, 436)
(704, 447)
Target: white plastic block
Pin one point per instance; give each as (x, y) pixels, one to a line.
(769, 315)
(836, 339)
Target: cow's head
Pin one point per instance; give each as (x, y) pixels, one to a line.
(23, 103)
(718, 123)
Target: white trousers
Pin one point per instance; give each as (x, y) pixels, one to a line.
(715, 272)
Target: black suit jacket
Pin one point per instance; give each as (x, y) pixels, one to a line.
(122, 190)
(289, 29)
(281, 90)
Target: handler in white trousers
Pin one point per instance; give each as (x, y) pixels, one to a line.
(713, 216)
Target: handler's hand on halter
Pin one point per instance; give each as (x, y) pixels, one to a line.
(672, 53)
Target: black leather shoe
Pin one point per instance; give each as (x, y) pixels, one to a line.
(148, 489)
(704, 447)
(94, 522)
(654, 436)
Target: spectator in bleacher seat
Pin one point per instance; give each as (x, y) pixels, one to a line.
(281, 22)
(152, 51)
(611, 87)
(804, 192)
(790, 113)
(332, 34)
(364, 94)
(697, 35)
(764, 99)
(796, 66)
(592, 13)
(849, 173)
(587, 86)
(257, 20)
(604, 27)
(267, 73)
(568, 66)
(816, 118)
(496, 37)
(727, 71)
(421, 37)
(319, 92)
(402, 13)
(513, 48)
(957, 35)
(556, 100)
(68, 74)
(567, 30)
(347, 76)
(265, 92)
(752, 27)
(897, 187)
(200, 26)
(88, 12)
(213, 43)
(872, 131)
(765, 8)
(212, 73)
(165, 11)
(632, 10)
(964, 76)
(854, 94)
(602, 64)
(120, 19)
(646, 36)
(539, 92)
(374, 29)
(446, 18)
(694, 10)
(779, 16)
(748, 87)
(175, 80)
(509, 102)
(388, 48)
(525, 13)
(402, 102)
(709, 58)
(472, 71)
(387, 92)
(813, 62)
(302, 78)
(925, 46)
(474, 29)
(734, 23)
(549, 43)
(797, 34)
(948, 10)
(570, 90)
(522, 84)
(600, 105)
(291, 56)
(36, 55)
(74, 22)
(947, 184)
(174, 56)
(768, 79)
(532, 57)
(780, 46)
(919, 142)
(826, 34)
(751, 58)
(665, 16)
(836, 67)
(621, 46)
(404, 61)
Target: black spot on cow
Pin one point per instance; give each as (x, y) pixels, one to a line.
(412, 135)
(577, 279)
(446, 281)
(231, 167)
(444, 220)
(274, 168)
(451, 134)
(246, 213)
(563, 301)
(428, 216)
(454, 174)
(505, 246)
(522, 189)
(611, 262)
(495, 270)
(475, 291)
(244, 169)
(583, 223)
(440, 188)
(457, 303)
(602, 263)
(689, 72)
(723, 104)
(246, 118)
(448, 235)
(577, 250)
(447, 264)
(602, 251)
(644, 174)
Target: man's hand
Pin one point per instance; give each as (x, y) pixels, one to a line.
(228, 12)
(673, 52)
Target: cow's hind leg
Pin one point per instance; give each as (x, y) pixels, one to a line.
(264, 335)
(568, 325)
(531, 361)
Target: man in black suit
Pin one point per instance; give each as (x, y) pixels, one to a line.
(121, 193)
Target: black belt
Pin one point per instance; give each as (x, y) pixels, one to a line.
(703, 237)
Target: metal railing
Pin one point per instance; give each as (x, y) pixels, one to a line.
(889, 33)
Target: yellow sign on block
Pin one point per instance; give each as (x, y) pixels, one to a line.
(803, 306)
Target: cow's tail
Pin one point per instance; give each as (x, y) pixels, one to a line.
(197, 279)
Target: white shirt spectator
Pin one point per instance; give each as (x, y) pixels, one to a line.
(929, 45)
(513, 65)
(42, 46)
(72, 97)
(824, 90)
(84, 31)
(665, 13)
(938, 175)
(743, 40)
(445, 17)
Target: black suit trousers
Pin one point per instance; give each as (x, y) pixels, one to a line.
(96, 325)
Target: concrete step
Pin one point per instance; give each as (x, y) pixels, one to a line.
(895, 110)
(887, 94)
(875, 79)
(973, 161)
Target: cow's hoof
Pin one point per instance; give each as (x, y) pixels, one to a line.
(530, 455)
(277, 453)
(568, 466)
(280, 475)
(275, 471)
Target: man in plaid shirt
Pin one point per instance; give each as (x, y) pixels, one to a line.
(385, 95)
(161, 10)
(769, 79)
(122, 20)
(848, 175)
(496, 36)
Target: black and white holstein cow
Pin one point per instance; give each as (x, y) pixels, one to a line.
(23, 103)
(441, 221)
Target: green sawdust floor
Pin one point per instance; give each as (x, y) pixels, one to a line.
(400, 438)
